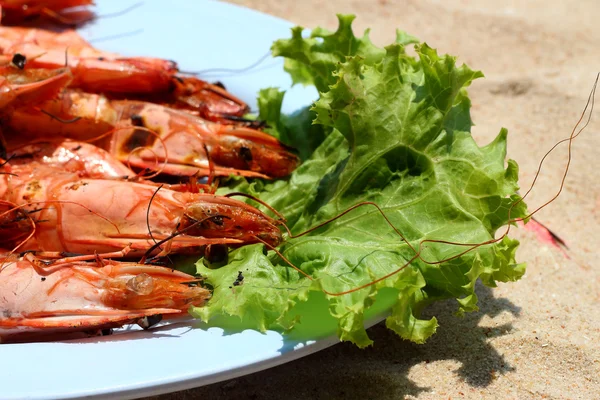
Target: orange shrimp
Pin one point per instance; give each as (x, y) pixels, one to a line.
(68, 12)
(197, 97)
(97, 71)
(89, 161)
(181, 146)
(86, 216)
(86, 297)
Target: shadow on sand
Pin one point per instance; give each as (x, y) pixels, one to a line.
(380, 371)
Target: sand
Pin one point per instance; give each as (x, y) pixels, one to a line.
(539, 337)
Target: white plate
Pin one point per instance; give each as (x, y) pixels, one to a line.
(199, 35)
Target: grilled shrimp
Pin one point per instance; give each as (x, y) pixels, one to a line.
(129, 77)
(89, 161)
(87, 297)
(85, 216)
(178, 147)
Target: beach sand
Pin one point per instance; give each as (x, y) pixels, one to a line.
(536, 338)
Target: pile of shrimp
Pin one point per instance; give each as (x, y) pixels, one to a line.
(108, 169)
(86, 227)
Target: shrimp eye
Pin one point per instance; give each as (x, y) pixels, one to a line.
(245, 153)
(19, 60)
(137, 120)
(218, 220)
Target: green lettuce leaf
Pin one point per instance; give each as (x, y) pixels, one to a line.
(313, 60)
(296, 129)
(394, 131)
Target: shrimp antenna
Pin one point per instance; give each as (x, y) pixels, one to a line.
(231, 70)
(90, 16)
(7, 160)
(288, 262)
(336, 294)
(472, 246)
(61, 18)
(59, 119)
(138, 149)
(21, 206)
(19, 209)
(211, 168)
(148, 219)
(121, 12)
(574, 133)
(177, 233)
(249, 196)
(362, 204)
(148, 212)
(116, 36)
(44, 266)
